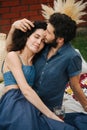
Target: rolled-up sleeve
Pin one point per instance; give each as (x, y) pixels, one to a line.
(75, 66)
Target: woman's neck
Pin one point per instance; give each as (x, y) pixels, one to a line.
(26, 56)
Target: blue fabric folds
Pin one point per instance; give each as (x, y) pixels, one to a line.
(16, 113)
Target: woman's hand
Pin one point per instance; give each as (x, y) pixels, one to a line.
(22, 24)
(53, 116)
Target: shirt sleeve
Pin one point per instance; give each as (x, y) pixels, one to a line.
(75, 66)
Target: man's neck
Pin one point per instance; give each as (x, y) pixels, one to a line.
(52, 52)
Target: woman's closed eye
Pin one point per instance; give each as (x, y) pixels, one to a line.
(43, 41)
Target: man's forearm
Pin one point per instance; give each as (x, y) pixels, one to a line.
(81, 97)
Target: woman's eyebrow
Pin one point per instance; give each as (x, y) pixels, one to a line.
(38, 35)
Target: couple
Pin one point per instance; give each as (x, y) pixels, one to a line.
(35, 83)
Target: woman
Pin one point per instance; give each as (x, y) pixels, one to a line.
(20, 106)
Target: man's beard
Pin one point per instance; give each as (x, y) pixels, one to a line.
(53, 43)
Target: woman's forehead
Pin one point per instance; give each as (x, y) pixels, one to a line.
(39, 32)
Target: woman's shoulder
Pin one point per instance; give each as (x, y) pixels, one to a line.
(11, 55)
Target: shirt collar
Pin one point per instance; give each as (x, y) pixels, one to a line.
(62, 49)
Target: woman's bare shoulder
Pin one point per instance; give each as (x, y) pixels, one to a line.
(11, 54)
(12, 57)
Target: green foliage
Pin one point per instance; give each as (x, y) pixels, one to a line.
(80, 42)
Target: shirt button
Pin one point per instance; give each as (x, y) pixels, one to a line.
(40, 82)
(42, 72)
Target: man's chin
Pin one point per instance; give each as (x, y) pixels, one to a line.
(48, 42)
(51, 43)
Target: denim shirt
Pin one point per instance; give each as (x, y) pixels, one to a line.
(53, 74)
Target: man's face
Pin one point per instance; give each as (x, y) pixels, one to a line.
(49, 34)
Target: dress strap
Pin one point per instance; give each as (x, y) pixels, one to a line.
(20, 59)
(4, 61)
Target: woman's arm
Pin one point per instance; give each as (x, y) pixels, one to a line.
(22, 25)
(28, 92)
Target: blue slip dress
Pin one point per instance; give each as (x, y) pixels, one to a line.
(16, 113)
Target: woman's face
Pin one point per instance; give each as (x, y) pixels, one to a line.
(36, 40)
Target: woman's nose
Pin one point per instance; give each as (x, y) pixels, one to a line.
(39, 41)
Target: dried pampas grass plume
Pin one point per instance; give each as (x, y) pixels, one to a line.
(73, 9)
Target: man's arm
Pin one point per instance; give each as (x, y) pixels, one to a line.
(75, 85)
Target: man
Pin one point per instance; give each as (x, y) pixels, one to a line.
(58, 63)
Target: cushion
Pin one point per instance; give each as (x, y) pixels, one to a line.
(84, 63)
(3, 52)
(1, 89)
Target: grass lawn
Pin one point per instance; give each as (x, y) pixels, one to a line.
(80, 42)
